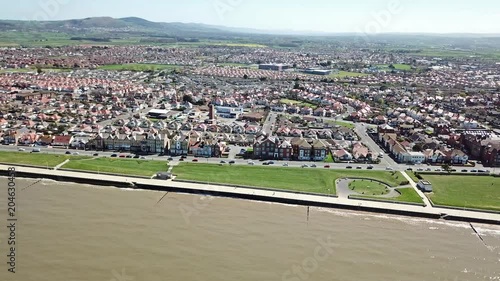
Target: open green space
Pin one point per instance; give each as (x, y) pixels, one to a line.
(342, 74)
(36, 159)
(134, 167)
(477, 192)
(139, 67)
(405, 67)
(298, 103)
(313, 180)
(366, 187)
(329, 158)
(407, 195)
(340, 123)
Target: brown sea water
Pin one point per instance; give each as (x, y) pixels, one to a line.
(71, 232)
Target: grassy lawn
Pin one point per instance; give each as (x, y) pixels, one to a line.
(119, 166)
(478, 192)
(314, 180)
(341, 123)
(138, 67)
(342, 74)
(36, 159)
(407, 195)
(368, 188)
(329, 158)
(412, 176)
(397, 66)
(298, 103)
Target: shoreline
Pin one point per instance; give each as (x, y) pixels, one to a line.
(255, 194)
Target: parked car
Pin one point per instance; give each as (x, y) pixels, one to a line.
(170, 159)
(130, 156)
(348, 167)
(76, 153)
(183, 156)
(114, 155)
(68, 152)
(251, 163)
(464, 171)
(369, 167)
(136, 156)
(181, 159)
(195, 160)
(143, 158)
(271, 163)
(21, 149)
(265, 164)
(232, 162)
(305, 166)
(389, 169)
(313, 166)
(359, 167)
(428, 169)
(473, 171)
(285, 164)
(36, 150)
(122, 155)
(409, 169)
(420, 169)
(223, 162)
(327, 166)
(95, 154)
(438, 170)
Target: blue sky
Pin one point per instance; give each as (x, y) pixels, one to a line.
(433, 16)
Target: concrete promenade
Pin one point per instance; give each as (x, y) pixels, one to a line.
(268, 195)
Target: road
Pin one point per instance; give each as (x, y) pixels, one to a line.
(269, 123)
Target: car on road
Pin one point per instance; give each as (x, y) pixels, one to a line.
(21, 149)
(271, 163)
(265, 164)
(285, 164)
(438, 170)
(348, 167)
(195, 160)
(122, 155)
(36, 150)
(313, 166)
(136, 156)
(428, 169)
(114, 155)
(76, 153)
(327, 166)
(222, 162)
(181, 159)
(170, 159)
(251, 163)
(131, 156)
(420, 169)
(359, 167)
(389, 169)
(183, 156)
(473, 171)
(95, 154)
(370, 167)
(305, 166)
(68, 152)
(143, 158)
(464, 171)
(232, 162)
(409, 169)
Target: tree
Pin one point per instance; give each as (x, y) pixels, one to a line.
(245, 76)
(447, 168)
(39, 70)
(391, 66)
(417, 147)
(187, 98)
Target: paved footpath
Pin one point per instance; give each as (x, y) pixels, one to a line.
(268, 194)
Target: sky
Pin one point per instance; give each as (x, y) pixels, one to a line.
(333, 16)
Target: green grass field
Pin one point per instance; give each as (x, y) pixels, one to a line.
(407, 195)
(341, 123)
(298, 103)
(404, 67)
(368, 187)
(314, 180)
(478, 192)
(36, 159)
(119, 166)
(139, 67)
(342, 74)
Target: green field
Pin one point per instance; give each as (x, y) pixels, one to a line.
(139, 67)
(298, 103)
(407, 195)
(342, 74)
(477, 192)
(341, 123)
(314, 180)
(36, 159)
(404, 67)
(119, 166)
(368, 187)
